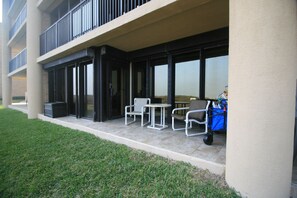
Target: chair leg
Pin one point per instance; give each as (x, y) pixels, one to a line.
(142, 118)
(190, 125)
(195, 134)
(126, 119)
(173, 127)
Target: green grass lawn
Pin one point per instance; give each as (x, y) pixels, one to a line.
(40, 159)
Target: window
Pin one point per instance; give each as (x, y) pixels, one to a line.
(74, 3)
(216, 76)
(139, 80)
(159, 81)
(88, 90)
(187, 80)
(63, 8)
(54, 15)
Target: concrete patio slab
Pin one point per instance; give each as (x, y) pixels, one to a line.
(167, 143)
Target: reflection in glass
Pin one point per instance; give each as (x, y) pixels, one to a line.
(216, 76)
(187, 83)
(139, 80)
(72, 94)
(161, 82)
(89, 91)
(116, 90)
(60, 85)
(51, 91)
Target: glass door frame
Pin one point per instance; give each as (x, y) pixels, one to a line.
(116, 98)
(72, 95)
(80, 88)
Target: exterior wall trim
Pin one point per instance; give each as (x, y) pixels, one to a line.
(78, 55)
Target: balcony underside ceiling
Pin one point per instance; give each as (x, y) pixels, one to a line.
(135, 30)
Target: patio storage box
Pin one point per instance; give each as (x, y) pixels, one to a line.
(55, 109)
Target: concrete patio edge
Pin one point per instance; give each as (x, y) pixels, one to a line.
(15, 107)
(215, 168)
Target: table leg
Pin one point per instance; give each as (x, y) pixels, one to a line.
(153, 117)
(161, 125)
(163, 117)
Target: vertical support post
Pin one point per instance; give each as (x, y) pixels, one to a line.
(171, 86)
(34, 70)
(6, 81)
(262, 79)
(202, 75)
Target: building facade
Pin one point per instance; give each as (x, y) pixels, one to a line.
(18, 82)
(97, 55)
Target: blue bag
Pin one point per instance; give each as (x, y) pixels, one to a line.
(218, 119)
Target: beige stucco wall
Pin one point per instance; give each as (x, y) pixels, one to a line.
(1, 61)
(0, 82)
(6, 81)
(19, 86)
(262, 79)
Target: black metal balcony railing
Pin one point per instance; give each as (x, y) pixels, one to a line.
(18, 22)
(18, 61)
(86, 16)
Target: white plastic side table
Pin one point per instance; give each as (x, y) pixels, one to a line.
(161, 125)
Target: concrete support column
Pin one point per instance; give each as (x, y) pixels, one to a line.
(34, 70)
(262, 80)
(6, 81)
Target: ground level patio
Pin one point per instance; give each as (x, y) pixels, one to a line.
(167, 143)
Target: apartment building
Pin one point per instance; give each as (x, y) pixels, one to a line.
(95, 56)
(18, 81)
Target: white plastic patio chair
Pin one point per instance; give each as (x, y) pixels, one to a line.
(197, 112)
(138, 109)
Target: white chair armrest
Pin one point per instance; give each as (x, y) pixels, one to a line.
(195, 111)
(143, 109)
(129, 106)
(179, 109)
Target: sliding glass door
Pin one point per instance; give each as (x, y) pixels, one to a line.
(88, 90)
(72, 90)
(139, 80)
(80, 80)
(116, 88)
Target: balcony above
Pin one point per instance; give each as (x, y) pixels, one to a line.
(15, 8)
(18, 62)
(19, 22)
(86, 16)
(150, 24)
